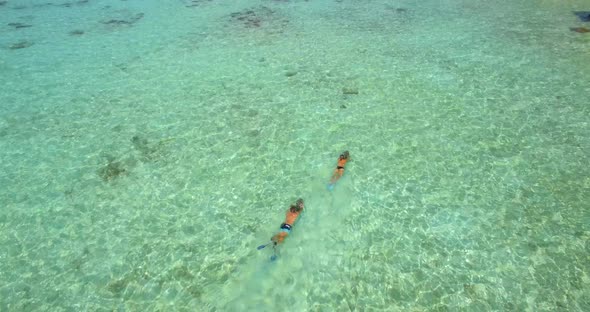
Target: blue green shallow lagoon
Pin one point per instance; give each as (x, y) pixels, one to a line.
(148, 147)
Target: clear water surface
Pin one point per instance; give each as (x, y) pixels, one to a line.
(148, 147)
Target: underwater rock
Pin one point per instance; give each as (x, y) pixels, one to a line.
(584, 16)
(20, 45)
(19, 25)
(581, 30)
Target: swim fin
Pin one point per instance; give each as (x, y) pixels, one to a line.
(584, 16)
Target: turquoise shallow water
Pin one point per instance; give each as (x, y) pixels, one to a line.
(148, 147)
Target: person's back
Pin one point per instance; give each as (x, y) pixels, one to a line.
(291, 217)
(339, 171)
(293, 214)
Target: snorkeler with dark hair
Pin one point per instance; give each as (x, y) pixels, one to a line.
(293, 214)
(339, 171)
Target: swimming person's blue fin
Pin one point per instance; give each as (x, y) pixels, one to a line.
(584, 16)
(262, 246)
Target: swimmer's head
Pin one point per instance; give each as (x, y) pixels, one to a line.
(344, 155)
(298, 206)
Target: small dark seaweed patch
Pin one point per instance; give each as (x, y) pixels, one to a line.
(139, 142)
(20, 45)
(195, 3)
(253, 132)
(258, 17)
(395, 9)
(19, 25)
(70, 4)
(147, 151)
(248, 17)
(112, 170)
(121, 22)
(194, 290)
(63, 5)
(581, 30)
(350, 91)
(116, 287)
(40, 5)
